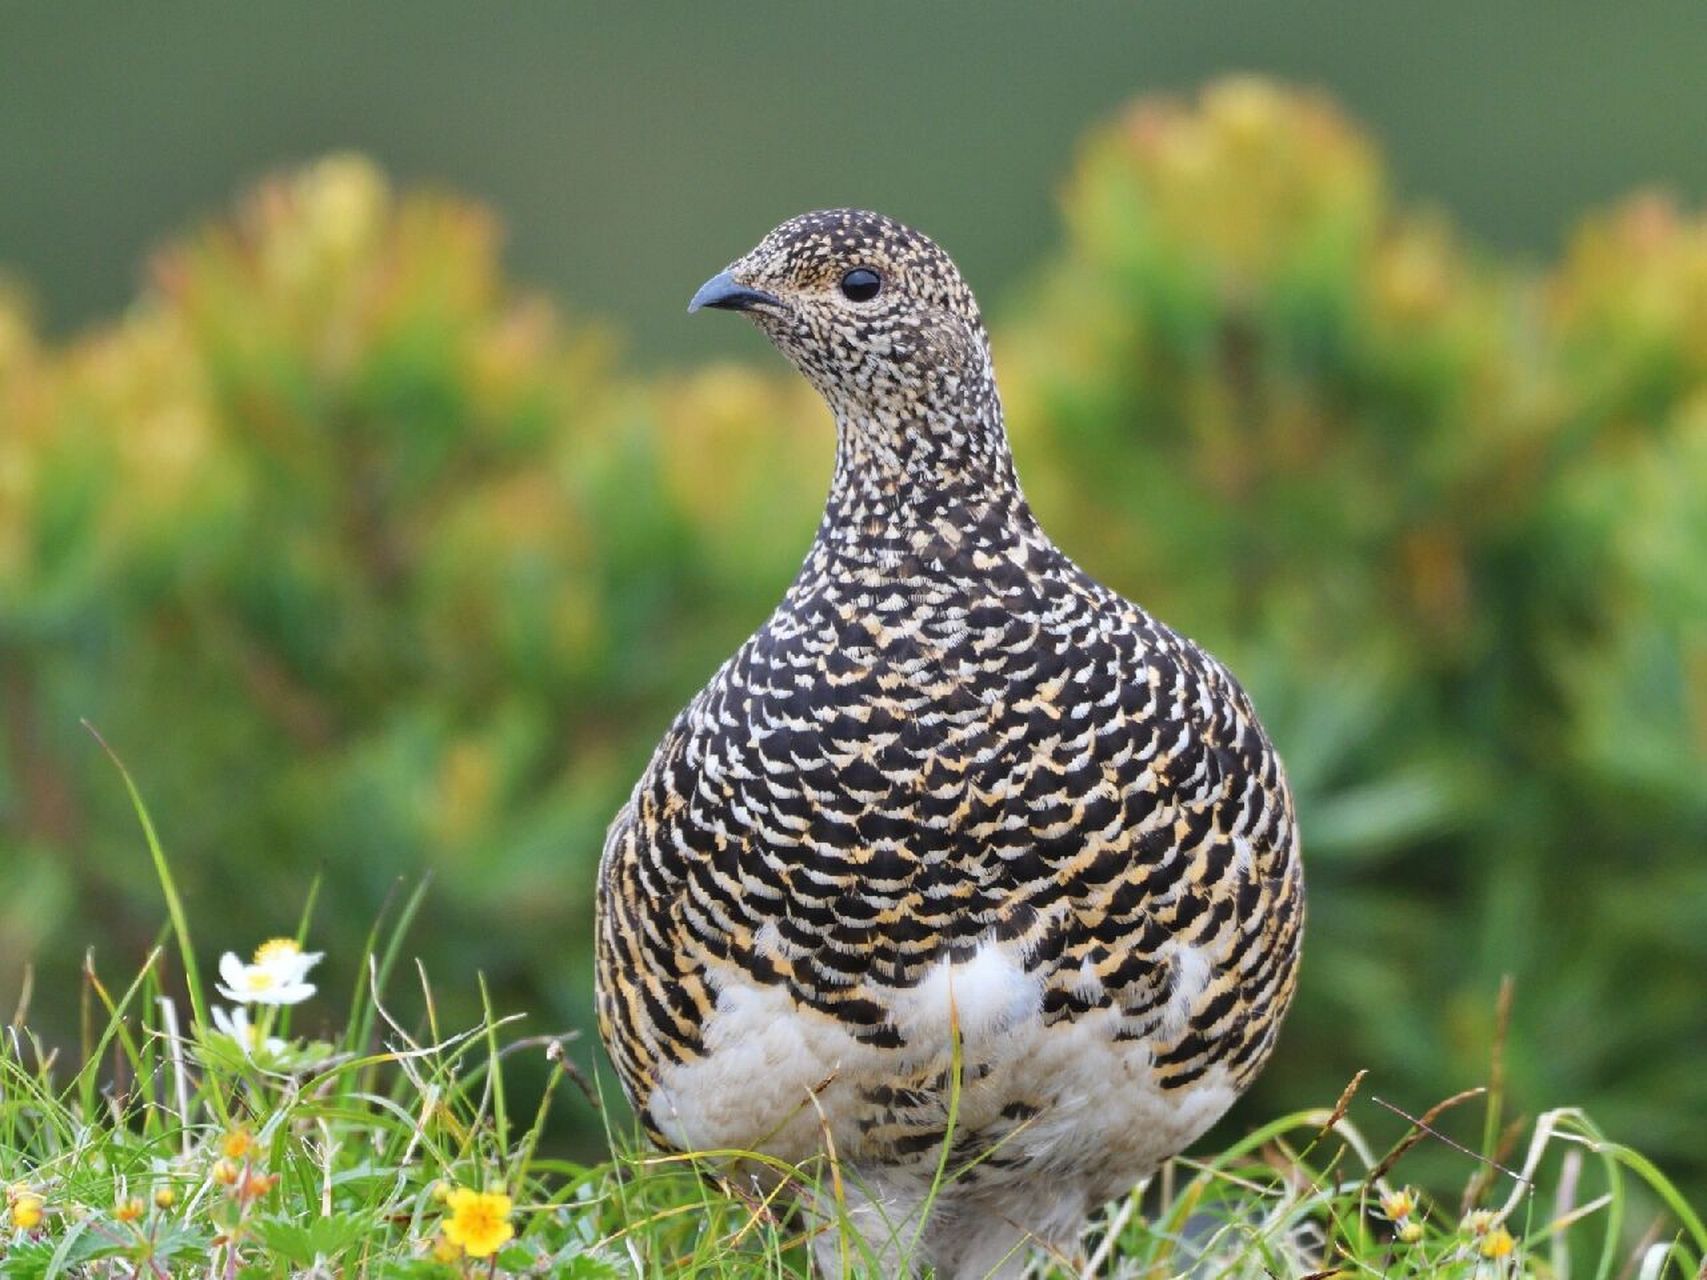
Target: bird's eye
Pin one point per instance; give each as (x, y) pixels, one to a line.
(861, 284)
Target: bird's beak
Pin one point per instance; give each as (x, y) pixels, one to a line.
(726, 293)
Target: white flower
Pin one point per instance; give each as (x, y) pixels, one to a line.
(278, 975)
(248, 1036)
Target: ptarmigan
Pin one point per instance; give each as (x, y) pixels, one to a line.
(951, 789)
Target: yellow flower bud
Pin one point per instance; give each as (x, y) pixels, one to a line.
(128, 1210)
(1410, 1233)
(1399, 1205)
(1497, 1243)
(446, 1250)
(26, 1210)
(224, 1172)
(236, 1144)
(164, 1197)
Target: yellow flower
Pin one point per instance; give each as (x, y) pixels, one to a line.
(1399, 1205)
(236, 1144)
(128, 1210)
(27, 1210)
(479, 1220)
(1497, 1243)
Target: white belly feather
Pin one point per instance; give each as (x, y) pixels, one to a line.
(1102, 1111)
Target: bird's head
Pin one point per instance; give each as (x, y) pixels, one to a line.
(873, 313)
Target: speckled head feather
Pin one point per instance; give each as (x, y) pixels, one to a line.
(907, 372)
(953, 805)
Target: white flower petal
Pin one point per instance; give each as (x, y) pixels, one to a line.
(290, 968)
(236, 1025)
(283, 993)
(231, 968)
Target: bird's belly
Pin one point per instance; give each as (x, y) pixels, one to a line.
(1065, 1097)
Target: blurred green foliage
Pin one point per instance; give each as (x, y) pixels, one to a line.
(371, 563)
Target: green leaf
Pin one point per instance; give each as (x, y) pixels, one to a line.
(416, 1269)
(323, 1238)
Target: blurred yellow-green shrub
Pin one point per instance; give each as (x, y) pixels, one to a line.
(371, 563)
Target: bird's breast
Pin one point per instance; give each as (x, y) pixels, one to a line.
(1014, 816)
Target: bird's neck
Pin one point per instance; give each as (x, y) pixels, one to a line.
(934, 475)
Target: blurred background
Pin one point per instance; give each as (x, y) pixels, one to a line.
(363, 480)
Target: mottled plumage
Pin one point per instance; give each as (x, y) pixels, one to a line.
(951, 782)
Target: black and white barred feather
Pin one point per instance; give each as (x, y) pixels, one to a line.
(952, 787)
